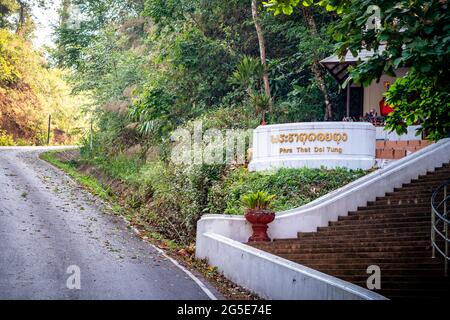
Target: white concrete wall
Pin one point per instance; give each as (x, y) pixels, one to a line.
(383, 134)
(356, 149)
(272, 277)
(375, 91)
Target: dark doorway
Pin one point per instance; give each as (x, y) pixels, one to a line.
(356, 102)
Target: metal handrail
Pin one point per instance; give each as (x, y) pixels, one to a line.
(440, 204)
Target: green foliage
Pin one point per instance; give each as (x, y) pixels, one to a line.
(153, 111)
(287, 6)
(179, 196)
(111, 137)
(415, 35)
(292, 187)
(95, 15)
(168, 64)
(167, 13)
(248, 74)
(30, 91)
(260, 200)
(172, 198)
(10, 55)
(184, 62)
(18, 16)
(416, 101)
(6, 140)
(7, 8)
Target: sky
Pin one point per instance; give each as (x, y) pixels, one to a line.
(44, 19)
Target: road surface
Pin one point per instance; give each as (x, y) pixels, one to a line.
(55, 238)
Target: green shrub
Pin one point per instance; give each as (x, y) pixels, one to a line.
(6, 139)
(171, 198)
(292, 187)
(179, 196)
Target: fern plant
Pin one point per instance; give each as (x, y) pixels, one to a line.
(260, 200)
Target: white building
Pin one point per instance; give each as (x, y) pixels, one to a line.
(359, 99)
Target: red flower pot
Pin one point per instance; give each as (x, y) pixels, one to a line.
(259, 220)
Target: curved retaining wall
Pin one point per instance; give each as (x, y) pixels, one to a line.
(220, 237)
(272, 277)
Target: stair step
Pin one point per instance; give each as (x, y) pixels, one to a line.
(375, 233)
(396, 206)
(383, 263)
(444, 174)
(383, 256)
(405, 197)
(380, 218)
(418, 189)
(418, 294)
(430, 178)
(440, 169)
(434, 279)
(395, 271)
(349, 238)
(346, 243)
(374, 225)
(399, 194)
(337, 245)
(355, 267)
(349, 249)
(432, 183)
(392, 210)
(411, 201)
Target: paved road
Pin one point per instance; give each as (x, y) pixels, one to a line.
(48, 223)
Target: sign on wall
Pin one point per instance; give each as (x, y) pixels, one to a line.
(314, 145)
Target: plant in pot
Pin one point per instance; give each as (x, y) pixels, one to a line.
(257, 212)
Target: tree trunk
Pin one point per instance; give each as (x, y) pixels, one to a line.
(316, 68)
(321, 83)
(65, 14)
(20, 31)
(262, 51)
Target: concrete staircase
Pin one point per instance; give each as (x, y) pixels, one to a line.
(392, 232)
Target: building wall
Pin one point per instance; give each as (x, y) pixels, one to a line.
(374, 92)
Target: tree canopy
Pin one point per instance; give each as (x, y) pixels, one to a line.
(30, 90)
(414, 35)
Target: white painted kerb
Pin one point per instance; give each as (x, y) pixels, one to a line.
(272, 277)
(314, 145)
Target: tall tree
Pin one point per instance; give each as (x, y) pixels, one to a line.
(262, 51)
(23, 13)
(7, 8)
(413, 35)
(316, 67)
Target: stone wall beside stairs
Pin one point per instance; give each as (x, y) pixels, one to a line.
(398, 149)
